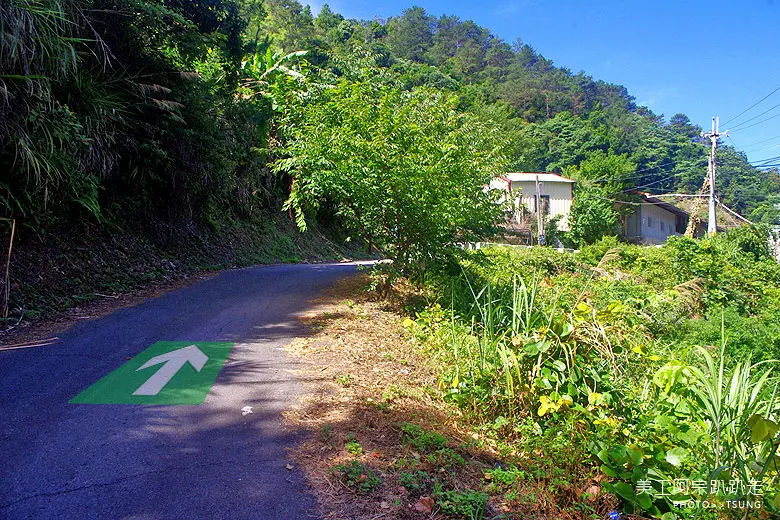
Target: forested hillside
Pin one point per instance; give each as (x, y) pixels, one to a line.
(554, 119)
(184, 122)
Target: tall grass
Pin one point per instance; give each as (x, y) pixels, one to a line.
(509, 347)
(738, 405)
(649, 408)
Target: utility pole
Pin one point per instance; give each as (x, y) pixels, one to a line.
(713, 135)
(539, 215)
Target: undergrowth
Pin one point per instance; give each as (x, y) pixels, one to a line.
(649, 371)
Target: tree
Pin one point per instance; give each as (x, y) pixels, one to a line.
(680, 124)
(411, 34)
(592, 215)
(612, 172)
(602, 179)
(289, 25)
(405, 169)
(327, 19)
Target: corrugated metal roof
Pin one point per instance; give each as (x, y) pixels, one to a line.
(671, 208)
(531, 177)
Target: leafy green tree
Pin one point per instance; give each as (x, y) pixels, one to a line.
(745, 191)
(592, 215)
(411, 34)
(327, 19)
(405, 169)
(289, 25)
(611, 172)
(680, 124)
(602, 179)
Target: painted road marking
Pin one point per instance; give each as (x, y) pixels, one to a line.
(188, 371)
(173, 362)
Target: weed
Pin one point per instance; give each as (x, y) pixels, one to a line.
(326, 433)
(357, 476)
(429, 441)
(393, 392)
(411, 430)
(416, 483)
(345, 380)
(421, 440)
(406, 462)
(466, 504)
(353, 447)
(446, 457)
(504, 477)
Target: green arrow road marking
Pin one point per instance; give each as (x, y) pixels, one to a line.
(168, 372)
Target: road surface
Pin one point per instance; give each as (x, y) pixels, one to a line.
(147, 462)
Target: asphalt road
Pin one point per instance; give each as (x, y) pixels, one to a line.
(145, 462)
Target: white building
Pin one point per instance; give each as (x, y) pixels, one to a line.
(774, 242)
(654, 220)
(556, 193)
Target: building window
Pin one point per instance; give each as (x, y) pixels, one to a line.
(545, 204)
(649, 222)
(663, 227)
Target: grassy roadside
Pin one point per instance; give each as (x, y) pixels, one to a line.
(537, 384)
(384, 444)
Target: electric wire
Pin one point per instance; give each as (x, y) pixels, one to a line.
(751, 106)
(668, 177)
(768, 159)
(736, 127)
(660, 167)
(762, 148)
(762, 142)
(758, 122)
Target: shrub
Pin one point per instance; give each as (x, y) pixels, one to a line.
(421, 440)
(357, 476)
(467, 504)
(353, 447)
(416, 483)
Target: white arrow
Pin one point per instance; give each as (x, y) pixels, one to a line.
(174, 361)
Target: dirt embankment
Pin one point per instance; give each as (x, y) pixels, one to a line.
(68, 275)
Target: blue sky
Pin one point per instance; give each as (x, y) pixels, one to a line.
(704, 59)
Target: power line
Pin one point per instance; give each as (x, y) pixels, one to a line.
(761, 83)
(625, 201)
(733, 212)
(769, 159)
(660, 167)
(766, 167)
(755, 117)
(762, 148)
(759, 122)
(681, 195)
(762, 142)
(751, 106)
(655, 182)
(634, 173)
(631, 203)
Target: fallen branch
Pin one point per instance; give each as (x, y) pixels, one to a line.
(12, 327)
(43, 343)
(112, 296)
